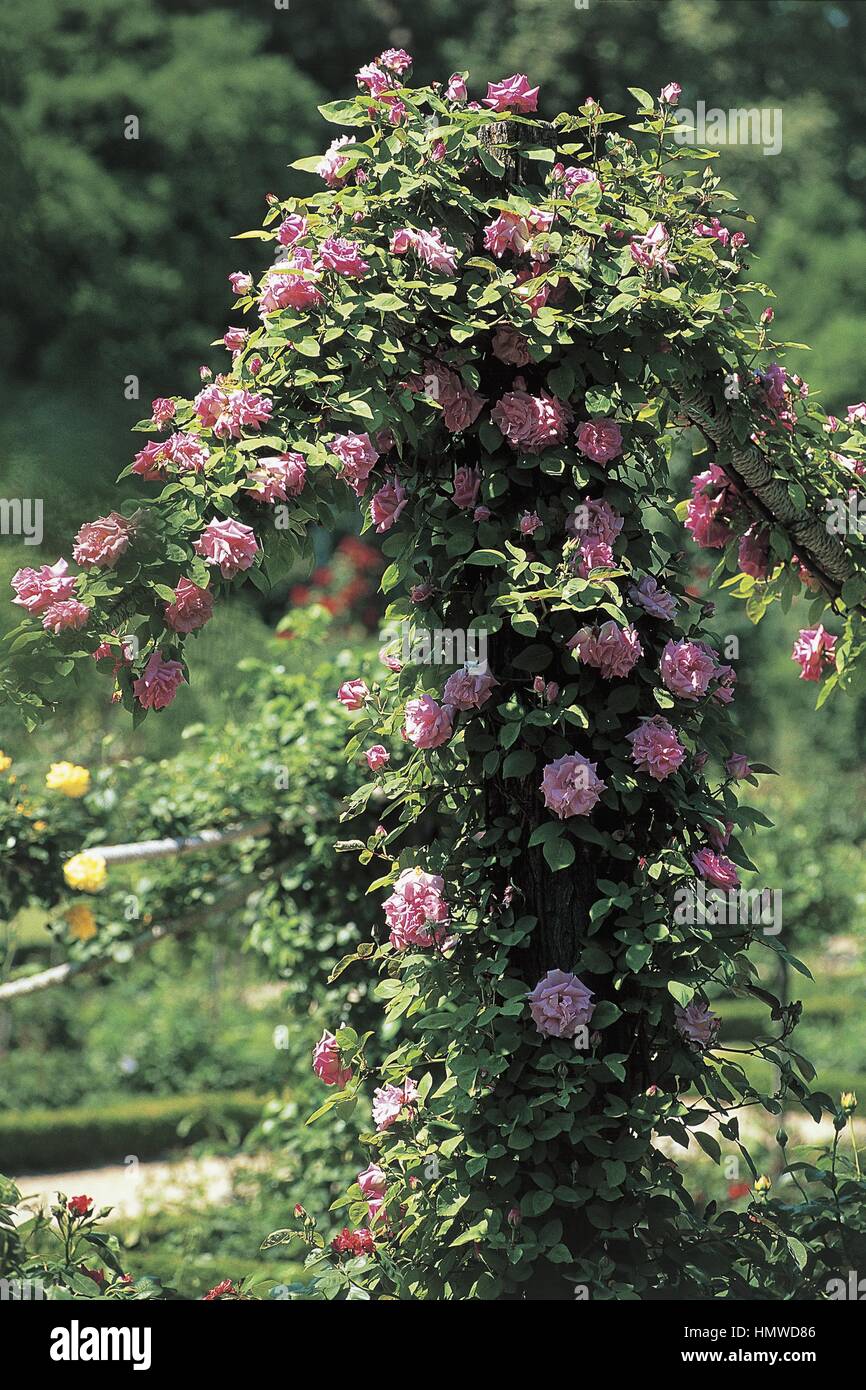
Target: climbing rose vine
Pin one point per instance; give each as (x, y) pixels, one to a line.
(493, 331)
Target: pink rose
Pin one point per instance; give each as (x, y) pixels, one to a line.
(419, 593)
(390, 1101)
(468, 689)
(510, 346)
(716, 869)
(327, 1063)
(352, 694)
(467, 481)
(373, 1182)
(161, 411)
(396, 60)
(416, 911)
(600, 440)
(574, 177)
(102, 542)
(387, 505)
(671, 94)
(737, 766)
(654, 600)
(235, 339)
(64, 616)
(713, 504)
(456, 89)
(229, 413)
(427, 724)
(611, 649)
(594, 554)
(292, 284)
(241, 282)
(185, 451)
(697, 1024)
(192, 607)
(531, 423)
(330, 166)
(344, 257)
(560, 1004)
(594, 519)
(357, 454)
(229, 544)
(293, 228)
(377, 757)
(482, 514)
(814, 650)
(158, 684)
(462, 409)
(37, 590)
(429, 246)
(512, 94)
(650, 252)
(277, 478)
(529, 523)
(570, 786)
(687, 669)
(655, 748)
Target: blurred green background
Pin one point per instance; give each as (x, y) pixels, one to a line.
(115, 254)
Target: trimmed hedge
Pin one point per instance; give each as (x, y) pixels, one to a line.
(44, 1141)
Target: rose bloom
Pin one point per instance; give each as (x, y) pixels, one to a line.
(103, 541)
(377, 757)
(67, 615)
(462, 409)
(611, 649)
(419, 593)
(754, 552)
(814, 650)
(277, 478)
(229, 544)
(390, 660)
(357, 454)
(482, 514)
(86, 872)
(570, 786)
(235, 339)
(467, 481)
(468, 689)
(192, 607)
(531, 423)
(353, 1242)
(671, 93)
(600, 440)
(331, 164)
(737, 766)
(718, 871)
(456, 89)
(373, 1182)
(161, 411)
(655, 748)
(185, 451)
(352, 694)
(512, 94)
(697, 1024)
(687, 669)
(241, 281)
(560, 1004)
(80, 1206)
(158, 684)
(293, 228)
(510, 346)
(344, 257)
(427, 724)
(594, 519)
(658, 602)
(327, 1063)
(593, 554)
(529, 523)
(416, 911)
(37, 590)
(388, 504)
(390, 1101)
(712, 506)
(396, 60)
(68, 778)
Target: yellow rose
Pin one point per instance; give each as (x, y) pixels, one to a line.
(5, 761)
(82, 922)
(86, 872)
(40, 825)
(67, 778)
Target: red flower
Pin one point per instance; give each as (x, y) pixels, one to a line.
(97, 1275)
(219, 1291)
(353, 1242)
(80, 1206)
(738, 1189)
